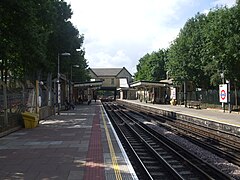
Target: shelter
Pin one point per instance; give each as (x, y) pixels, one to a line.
(85, 91)
(152, 91)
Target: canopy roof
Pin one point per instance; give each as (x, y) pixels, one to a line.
(148, 84)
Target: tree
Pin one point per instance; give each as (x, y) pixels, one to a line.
(65, 38)
(32, 33)
(185, 53)
(151, 67)
(25, 26)
(206, 46)
(223, 44)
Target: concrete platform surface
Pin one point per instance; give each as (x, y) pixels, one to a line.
(219, 116)
(77, 144)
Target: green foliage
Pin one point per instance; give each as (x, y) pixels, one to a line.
(24, 35)
(185, 53)
(206, 46)
(151, 67)
(32, 34)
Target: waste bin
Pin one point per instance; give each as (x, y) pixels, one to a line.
(30, 119)
(173, 102)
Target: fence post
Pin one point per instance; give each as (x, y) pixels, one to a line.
(55, 96)
(4, 102)
(23, 95)
(185, 92)
(37, 97)
(229, 96)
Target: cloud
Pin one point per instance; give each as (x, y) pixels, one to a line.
(118, 33)
(228, 3)
(219, 3)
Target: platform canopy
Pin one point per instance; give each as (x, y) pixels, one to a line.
(89, 84)
(140, 84)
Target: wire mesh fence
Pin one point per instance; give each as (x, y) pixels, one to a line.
(210, 98)
(19, 101)
(14, 109)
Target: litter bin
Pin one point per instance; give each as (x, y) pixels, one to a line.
(30, 119)
(173, 102)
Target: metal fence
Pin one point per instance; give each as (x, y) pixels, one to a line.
(18, 101)
(13, 112)
(210, 98)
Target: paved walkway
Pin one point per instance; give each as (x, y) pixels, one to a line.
(77, 144)
(213, 115)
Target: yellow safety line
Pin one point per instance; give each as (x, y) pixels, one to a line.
(112, 152)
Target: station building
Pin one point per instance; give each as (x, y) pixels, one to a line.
(117, 83)
(105, 83)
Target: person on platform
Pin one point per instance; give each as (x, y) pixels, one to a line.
(89, 99)
(66, 104)
(95, 97)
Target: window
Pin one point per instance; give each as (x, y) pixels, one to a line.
(112, 81)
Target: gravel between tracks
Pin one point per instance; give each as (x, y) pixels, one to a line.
(220, 163)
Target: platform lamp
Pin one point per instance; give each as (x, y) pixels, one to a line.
(184, 86)
(70, 84)
(223, 82)
(58, 80)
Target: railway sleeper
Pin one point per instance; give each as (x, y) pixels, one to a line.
(147, 158)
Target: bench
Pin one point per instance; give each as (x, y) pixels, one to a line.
(192, 104)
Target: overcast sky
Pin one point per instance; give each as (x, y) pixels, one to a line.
(119, 32)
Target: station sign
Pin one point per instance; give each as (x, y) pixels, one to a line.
(173, 93)
(59, 93)
(223, 93)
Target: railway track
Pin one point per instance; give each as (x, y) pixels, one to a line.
(221, 143)
(156, 157)
(224, 147)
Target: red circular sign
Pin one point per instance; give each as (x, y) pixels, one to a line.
(223, 94)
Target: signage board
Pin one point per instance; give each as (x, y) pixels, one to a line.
(173, 93)
(59, 93)
(223, 93)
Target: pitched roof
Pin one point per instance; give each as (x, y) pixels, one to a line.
(106, 71)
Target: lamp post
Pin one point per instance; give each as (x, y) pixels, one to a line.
(223, 82)
(70, 84)
(185, 92)
(58, 80)
(74, 66)
(229, 95)
(184, 85)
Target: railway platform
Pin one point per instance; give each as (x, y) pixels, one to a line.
(77, 144)
(212, 118)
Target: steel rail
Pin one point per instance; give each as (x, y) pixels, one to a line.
(207, 169)
(133, 126)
